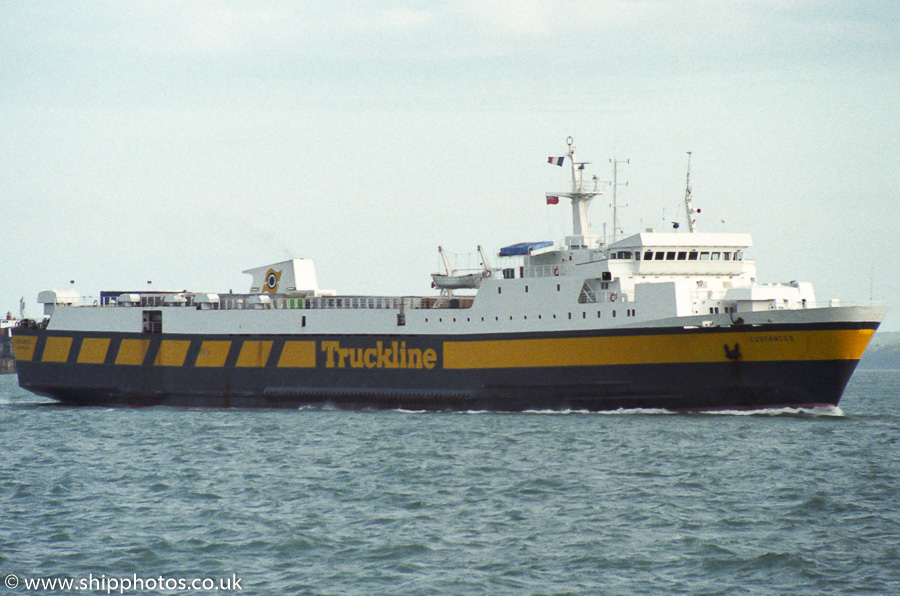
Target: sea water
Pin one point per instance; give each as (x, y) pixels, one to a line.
(318, 501)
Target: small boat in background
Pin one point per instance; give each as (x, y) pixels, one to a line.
(7, 360)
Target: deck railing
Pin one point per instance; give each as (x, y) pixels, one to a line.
(277, 302)
(548, 270)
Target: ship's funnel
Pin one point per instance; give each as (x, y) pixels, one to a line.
(296, 275)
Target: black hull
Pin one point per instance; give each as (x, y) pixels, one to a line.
(728, 368)
(798, 385)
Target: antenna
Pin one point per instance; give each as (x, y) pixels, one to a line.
(688, 207)
(615, 207)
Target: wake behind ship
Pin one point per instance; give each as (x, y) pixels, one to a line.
(671, 320)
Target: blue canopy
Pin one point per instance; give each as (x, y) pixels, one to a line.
(523, 248)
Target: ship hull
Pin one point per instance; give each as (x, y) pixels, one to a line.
(678, 369)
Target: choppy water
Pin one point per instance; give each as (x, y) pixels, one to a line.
(328, 502)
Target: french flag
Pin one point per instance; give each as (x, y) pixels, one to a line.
(551, 200)
(555, 160)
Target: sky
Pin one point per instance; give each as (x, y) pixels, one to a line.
(180, 143)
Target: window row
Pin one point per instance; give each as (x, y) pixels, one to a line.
(684, 255)
(631, 312)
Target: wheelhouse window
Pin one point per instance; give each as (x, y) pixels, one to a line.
(704, 256)
(692, 256)
(670, 256)
(682, 256)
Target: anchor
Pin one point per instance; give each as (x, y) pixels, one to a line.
(733, 353)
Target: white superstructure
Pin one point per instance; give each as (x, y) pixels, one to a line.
(652, 278)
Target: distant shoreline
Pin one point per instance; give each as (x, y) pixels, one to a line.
(883, 352)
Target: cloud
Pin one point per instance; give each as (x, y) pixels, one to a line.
(471, 52)
(610, 34)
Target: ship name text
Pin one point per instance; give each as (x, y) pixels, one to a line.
(393, 355)
(770, 338)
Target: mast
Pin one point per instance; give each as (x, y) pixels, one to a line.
(581, 224)
(688, 207)
(581, 198)
(615, 206)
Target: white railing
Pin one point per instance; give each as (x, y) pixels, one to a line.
(548, 270)
(244, 302)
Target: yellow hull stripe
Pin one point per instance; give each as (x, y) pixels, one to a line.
(132, 351)
(688, 347)
(763, 346)
(213, 353)
(254, 353)
(57, 349)
(23, 347)
(172, 352)
(93, 350)
(298, 354)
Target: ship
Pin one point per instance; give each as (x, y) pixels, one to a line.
(669, 320)
(7, 361)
